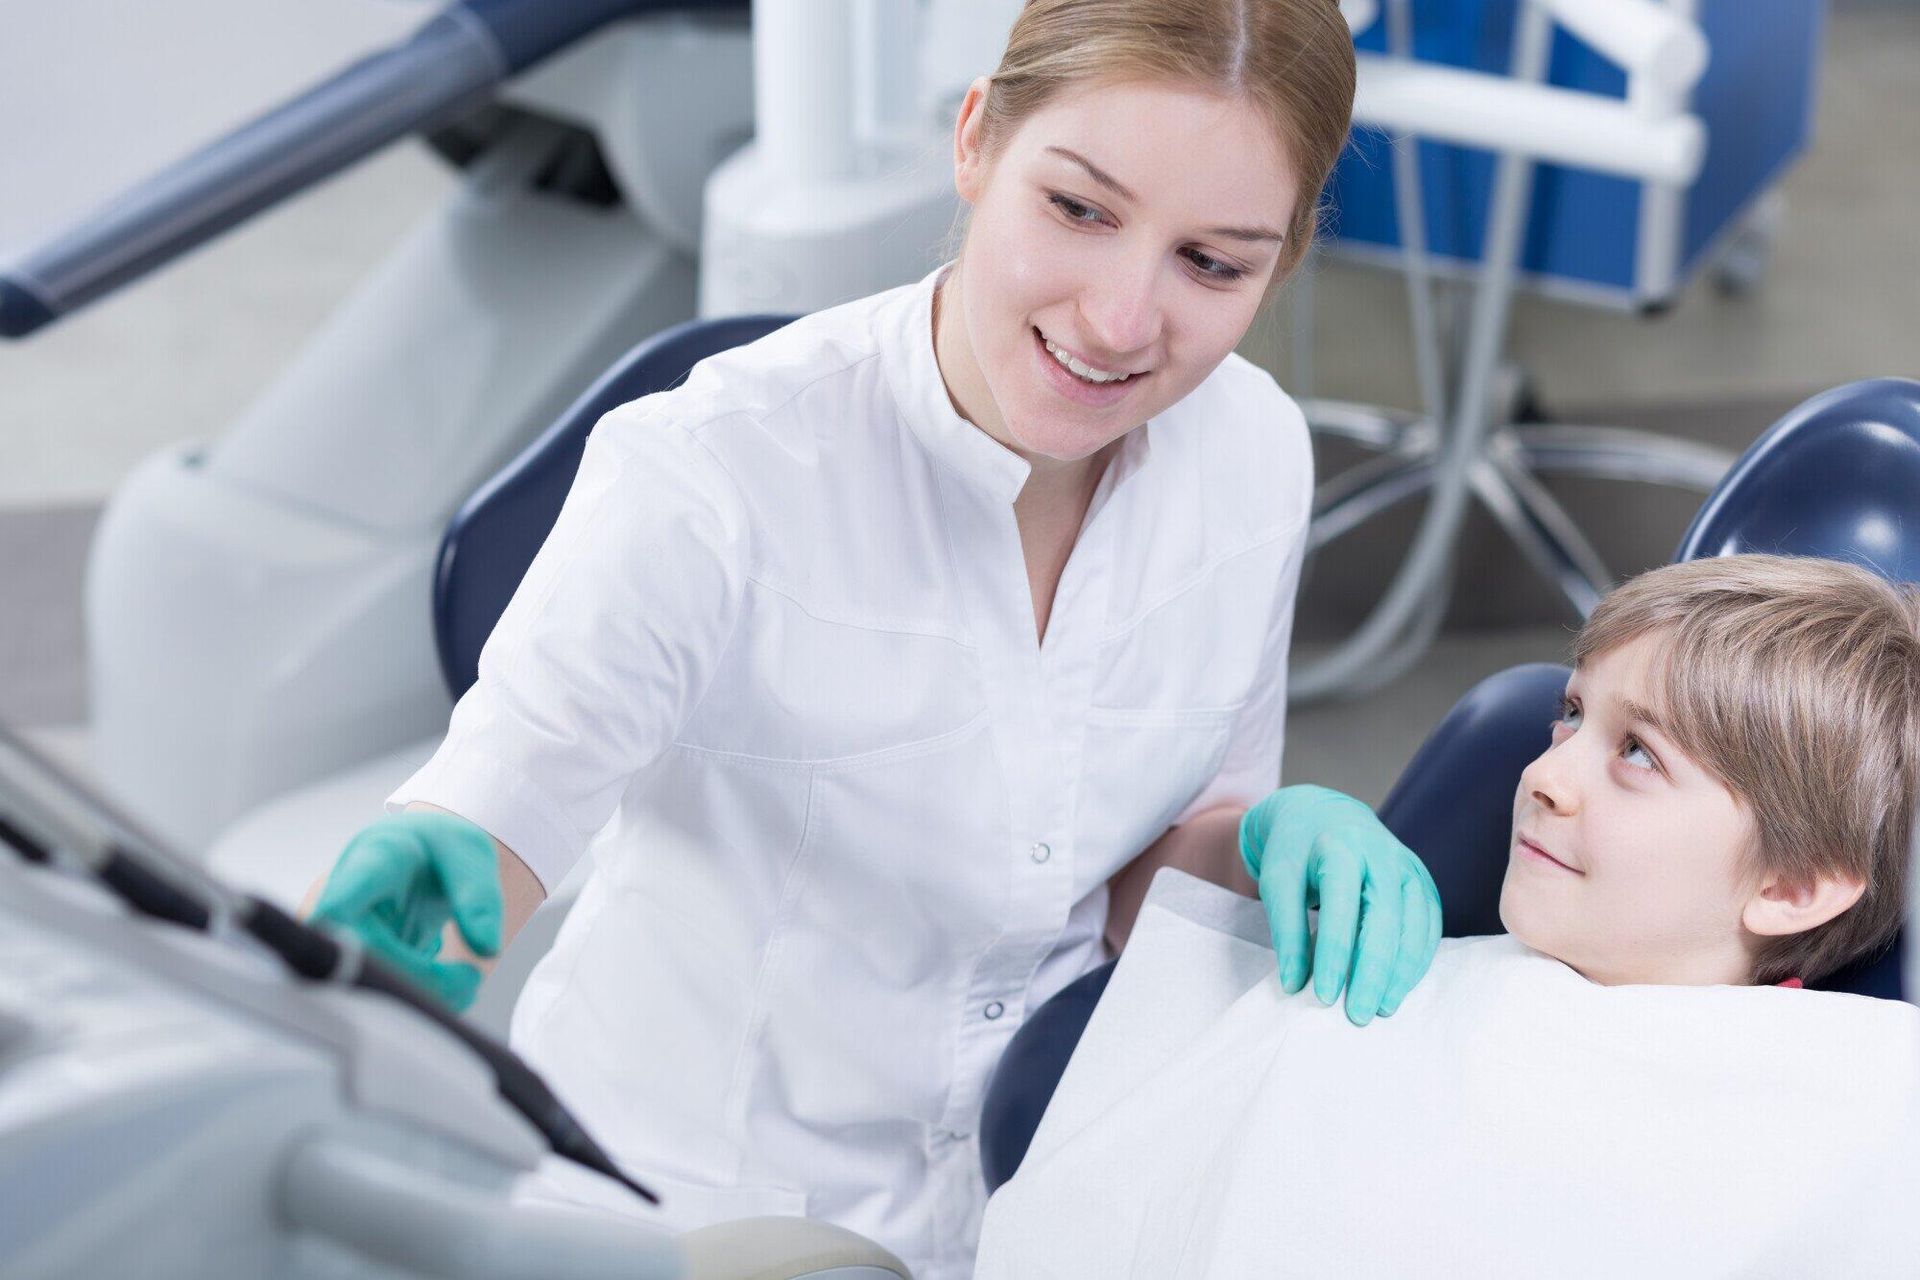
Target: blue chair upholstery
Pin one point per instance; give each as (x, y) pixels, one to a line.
(1838, 477)
(493, 538)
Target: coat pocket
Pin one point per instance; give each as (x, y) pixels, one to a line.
(1143, 766)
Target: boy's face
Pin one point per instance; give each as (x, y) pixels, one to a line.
(1629, 861)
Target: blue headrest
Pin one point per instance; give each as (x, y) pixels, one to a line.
(1839, 477)
(493, 538)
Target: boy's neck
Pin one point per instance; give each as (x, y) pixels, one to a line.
(1728, 966)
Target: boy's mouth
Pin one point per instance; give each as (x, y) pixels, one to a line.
(1528, 849)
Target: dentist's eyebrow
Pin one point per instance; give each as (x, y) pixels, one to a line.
(1114, 185)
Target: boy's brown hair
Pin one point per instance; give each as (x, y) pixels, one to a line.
(1796, 682)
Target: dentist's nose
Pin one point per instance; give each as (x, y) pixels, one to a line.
(1549, 781)
(1123, 312)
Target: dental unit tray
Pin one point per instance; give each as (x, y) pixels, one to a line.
(225, 1041)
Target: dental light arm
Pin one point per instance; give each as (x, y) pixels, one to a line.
(1649, 137)
(448, 65)
(1541, 122)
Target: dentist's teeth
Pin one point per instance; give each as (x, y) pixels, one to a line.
(1084, 371)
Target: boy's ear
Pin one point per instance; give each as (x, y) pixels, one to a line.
(1781, 906)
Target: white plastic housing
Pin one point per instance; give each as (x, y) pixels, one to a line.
(259, 611)
(847, 188)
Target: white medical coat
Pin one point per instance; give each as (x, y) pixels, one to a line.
(850, 823)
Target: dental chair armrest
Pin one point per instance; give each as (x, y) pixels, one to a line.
(786, 1249)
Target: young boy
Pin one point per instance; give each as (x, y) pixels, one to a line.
(1614, 1088)
(1730, 788)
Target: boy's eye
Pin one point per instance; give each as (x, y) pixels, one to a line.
(1636, 754)
(1569, 714)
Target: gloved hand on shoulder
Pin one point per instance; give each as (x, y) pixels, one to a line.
(1308, 846)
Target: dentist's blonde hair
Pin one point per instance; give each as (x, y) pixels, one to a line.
(1796, 682)
(1292, 58)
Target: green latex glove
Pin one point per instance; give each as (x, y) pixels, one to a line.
(401, 879)
(1313, 847)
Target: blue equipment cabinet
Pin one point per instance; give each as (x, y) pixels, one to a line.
(1593, 238)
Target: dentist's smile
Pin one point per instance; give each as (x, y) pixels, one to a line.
(1079, 381)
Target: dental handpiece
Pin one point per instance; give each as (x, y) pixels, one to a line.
(49, 818)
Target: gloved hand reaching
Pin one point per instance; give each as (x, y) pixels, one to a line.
(1309, 846)
(401, 879)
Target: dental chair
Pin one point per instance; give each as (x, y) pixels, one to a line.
(1837, 477)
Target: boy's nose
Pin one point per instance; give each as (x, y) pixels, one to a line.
(1547, 782)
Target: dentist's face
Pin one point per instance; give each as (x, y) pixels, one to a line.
(1130, 227)
(1628, 859)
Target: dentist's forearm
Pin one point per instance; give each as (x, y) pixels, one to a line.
(1206, 845)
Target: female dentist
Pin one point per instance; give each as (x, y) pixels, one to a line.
(879, 666)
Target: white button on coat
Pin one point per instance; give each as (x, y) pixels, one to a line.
(775, 671)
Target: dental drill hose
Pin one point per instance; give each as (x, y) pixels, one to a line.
(316, 956)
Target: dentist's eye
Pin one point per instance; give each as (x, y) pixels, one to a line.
(1218, 270)
(1075, 211)
(1637, 755)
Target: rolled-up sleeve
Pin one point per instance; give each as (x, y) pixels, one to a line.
(605, 649)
